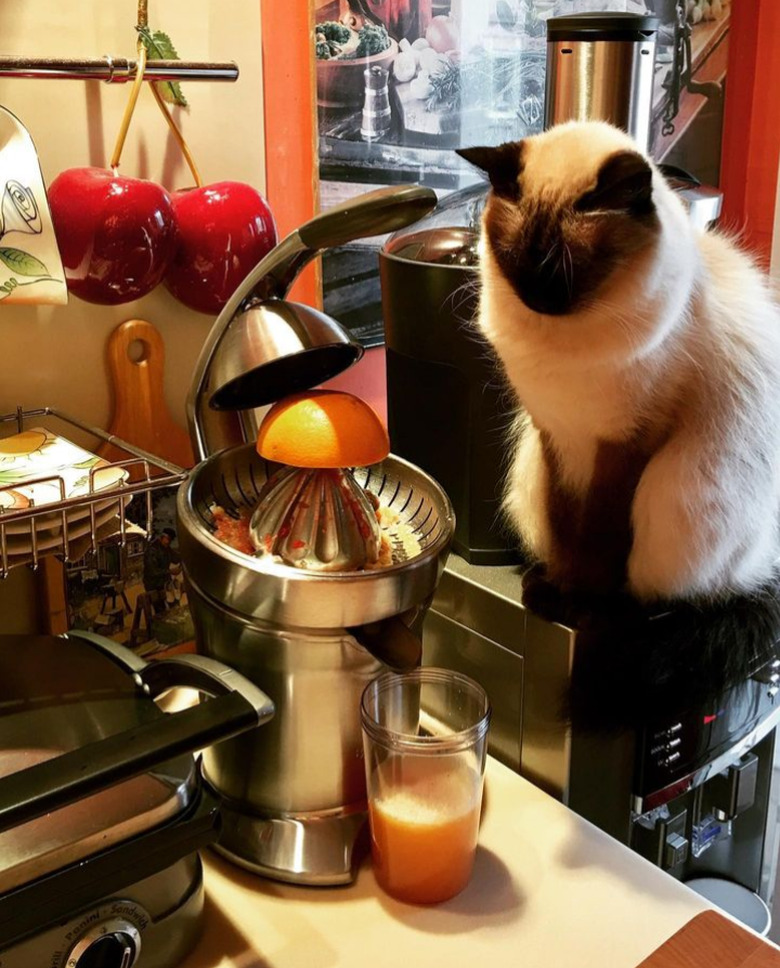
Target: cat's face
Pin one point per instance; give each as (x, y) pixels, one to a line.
(567, 209)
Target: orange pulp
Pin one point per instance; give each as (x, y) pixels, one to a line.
(424, 828)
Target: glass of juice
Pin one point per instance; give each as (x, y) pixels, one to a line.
(425, 739)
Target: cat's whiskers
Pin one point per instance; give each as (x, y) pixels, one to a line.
(553, 250)
(568, 268)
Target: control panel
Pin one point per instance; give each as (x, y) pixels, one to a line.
(671, 752)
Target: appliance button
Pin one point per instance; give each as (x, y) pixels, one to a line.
(675, 850)
(676, 728)
(671, 758)
(673, 742)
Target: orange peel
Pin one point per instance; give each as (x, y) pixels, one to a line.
(323, 428)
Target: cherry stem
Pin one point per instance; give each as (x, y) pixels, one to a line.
(178, 136)
(130, 106)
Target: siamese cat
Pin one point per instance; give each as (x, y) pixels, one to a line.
(645, 355)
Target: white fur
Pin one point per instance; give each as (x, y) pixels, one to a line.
(685, 337)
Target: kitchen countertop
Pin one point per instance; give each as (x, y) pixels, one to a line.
(549, 891)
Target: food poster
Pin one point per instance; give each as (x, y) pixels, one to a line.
(401, 83)
(134, 593)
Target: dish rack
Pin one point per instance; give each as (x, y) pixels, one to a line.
(146, 474)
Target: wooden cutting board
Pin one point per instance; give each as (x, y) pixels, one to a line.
(713, 941)
(136, 364)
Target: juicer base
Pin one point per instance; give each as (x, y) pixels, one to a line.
(317, 849)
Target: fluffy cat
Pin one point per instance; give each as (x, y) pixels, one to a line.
(646, 357)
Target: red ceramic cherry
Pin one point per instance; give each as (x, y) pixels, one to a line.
(224, 230)
(116, 235)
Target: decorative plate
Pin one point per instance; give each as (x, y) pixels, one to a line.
(30, 264)
(59, 470)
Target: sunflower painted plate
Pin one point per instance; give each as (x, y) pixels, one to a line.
(37, 467)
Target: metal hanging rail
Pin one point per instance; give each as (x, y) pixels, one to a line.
(115, 70)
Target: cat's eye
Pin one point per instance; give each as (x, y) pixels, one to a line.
(624, 185)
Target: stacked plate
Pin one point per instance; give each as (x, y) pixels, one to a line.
(37, 468)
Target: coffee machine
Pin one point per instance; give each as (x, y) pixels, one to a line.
(691, 789)
(691, 792)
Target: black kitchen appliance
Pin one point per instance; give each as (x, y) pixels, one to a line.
(102, 810)
(691, 789)
(448, 407)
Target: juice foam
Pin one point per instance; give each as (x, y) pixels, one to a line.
(424, 827)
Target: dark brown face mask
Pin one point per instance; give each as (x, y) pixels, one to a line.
(556, 256)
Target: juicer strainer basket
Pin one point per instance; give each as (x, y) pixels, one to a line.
(263, 588)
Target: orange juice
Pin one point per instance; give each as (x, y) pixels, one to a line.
(424, 826)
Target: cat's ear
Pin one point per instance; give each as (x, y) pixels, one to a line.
(624, 184)
(502, 165)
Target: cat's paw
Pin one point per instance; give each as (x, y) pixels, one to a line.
(542, 596)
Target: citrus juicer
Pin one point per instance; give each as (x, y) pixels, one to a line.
(293, 793)
(312, 513)
(317, 519)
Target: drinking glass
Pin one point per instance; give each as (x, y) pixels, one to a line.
(424, 739)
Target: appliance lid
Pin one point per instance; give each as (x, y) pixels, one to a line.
(59, 695)
(448, 236)
(602, 26)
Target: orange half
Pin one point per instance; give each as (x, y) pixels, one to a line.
(323, 428)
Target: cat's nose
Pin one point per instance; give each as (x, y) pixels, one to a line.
(550, 301)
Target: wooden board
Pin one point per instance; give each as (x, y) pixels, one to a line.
(136, 362)
(713, 941)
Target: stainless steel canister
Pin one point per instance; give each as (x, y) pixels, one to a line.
(600, 68)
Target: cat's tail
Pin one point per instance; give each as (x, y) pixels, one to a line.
(663, 662)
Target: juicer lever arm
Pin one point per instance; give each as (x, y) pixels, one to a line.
(181, 671)
(385, 210)
(373, 213)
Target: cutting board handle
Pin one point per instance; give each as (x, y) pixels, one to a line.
(136, 363)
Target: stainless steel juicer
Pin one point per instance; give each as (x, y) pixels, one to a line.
(294, 798)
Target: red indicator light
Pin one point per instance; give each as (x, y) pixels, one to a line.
(710, 719)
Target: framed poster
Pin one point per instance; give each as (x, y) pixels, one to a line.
(453, 73)
(714, 113)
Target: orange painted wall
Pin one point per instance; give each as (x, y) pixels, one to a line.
(751, 126)
(291, 162)
(291, 124)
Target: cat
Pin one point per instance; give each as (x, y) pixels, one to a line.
(645, 356)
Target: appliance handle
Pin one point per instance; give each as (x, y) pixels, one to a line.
(180, 671)
(238, 705)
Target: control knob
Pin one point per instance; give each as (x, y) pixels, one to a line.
(114, 944)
